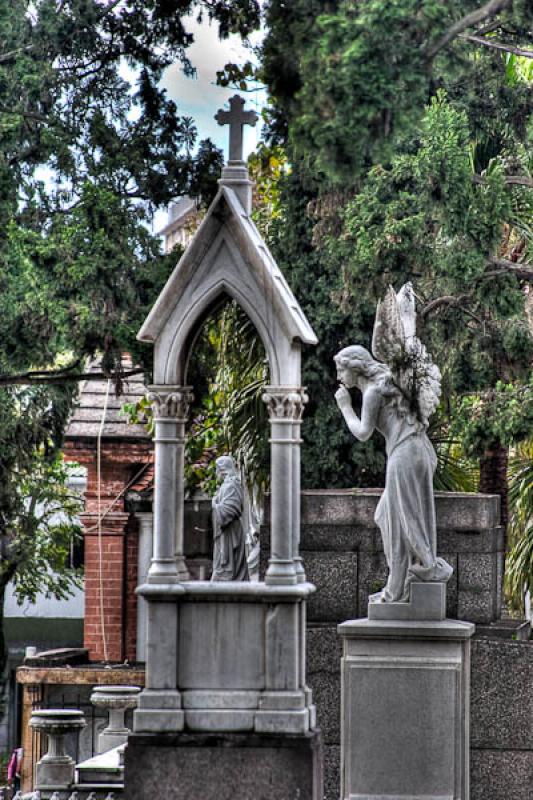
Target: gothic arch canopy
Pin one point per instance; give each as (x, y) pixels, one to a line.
(227, 257)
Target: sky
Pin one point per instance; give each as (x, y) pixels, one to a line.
(200, 97)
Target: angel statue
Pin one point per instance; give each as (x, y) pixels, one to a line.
(400, 390)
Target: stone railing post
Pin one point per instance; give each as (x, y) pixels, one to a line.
(116, 700)
(55, 770)
(170, 405)
(285, 409)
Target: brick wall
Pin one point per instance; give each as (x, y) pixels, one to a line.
(105, 586)
(132, 555)
(110, 556)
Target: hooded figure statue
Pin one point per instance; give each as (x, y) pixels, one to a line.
(229, 551)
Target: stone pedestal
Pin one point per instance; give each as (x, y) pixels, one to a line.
(55, 770)
(224, 767)
(405, 709)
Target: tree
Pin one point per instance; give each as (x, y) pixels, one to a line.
(86, 155)
(408, 128)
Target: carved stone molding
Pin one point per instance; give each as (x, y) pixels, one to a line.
(285, 403)
(170, 402)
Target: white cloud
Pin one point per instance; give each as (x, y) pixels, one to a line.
(200, 97)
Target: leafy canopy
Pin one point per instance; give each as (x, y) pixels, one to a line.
(90, 145)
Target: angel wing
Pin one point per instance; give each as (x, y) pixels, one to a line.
(388, 337)
(394, 341)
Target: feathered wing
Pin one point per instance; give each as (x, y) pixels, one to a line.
(405, 300)
(394, 341)
(388, 337)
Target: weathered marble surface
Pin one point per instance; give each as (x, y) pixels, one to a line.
(405, 709)
(340, 544)
(229, 546)
(400, 389)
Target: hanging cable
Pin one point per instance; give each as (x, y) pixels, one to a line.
(99, 518)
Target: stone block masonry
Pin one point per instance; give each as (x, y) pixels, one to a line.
(232, 766)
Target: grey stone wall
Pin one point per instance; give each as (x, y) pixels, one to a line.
(344, 558)
(343, 553)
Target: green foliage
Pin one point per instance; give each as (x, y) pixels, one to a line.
(425, 219)
(503, 415)
(230, 370)
(90, 146)
(361, 74)
(266, 166)
(455, 471)
(329, 456)
(519, 561)
(349, 78)
(46, 530)
(403, 156)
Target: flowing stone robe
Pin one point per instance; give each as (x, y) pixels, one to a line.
(406, 512)
(229, 551)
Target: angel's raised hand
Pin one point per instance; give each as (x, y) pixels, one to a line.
(342, 396)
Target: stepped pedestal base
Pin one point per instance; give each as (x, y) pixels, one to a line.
(405, 710)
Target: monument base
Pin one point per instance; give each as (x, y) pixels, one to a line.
(189, 766)
(405, 709)
(426, 601)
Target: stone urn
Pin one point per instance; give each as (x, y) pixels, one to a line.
(116, 700)
(55, 770)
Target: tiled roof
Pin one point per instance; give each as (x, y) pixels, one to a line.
(86, 418)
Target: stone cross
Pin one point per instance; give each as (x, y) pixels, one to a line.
(236, 117)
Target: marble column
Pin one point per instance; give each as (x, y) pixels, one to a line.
(296, 486)
(181, 566)
(146, 527)
(285, 408)
(170, 406)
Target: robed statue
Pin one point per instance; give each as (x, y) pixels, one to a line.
(229, 550)
(400, 389)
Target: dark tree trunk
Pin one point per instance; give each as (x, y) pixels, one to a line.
(493, 479)
(3, 653)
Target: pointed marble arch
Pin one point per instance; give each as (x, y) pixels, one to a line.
(200, 296)
(185, 340)
(227, 255)
(227, 258)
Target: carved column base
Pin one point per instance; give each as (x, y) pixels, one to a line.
(281, 573)
(163, 570)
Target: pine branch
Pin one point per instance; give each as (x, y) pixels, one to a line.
(5, 58)
(512, 180)
(18, 112)
(504, 266)
(52, 378)
(506, 48)
(487, 11)
(451, 301)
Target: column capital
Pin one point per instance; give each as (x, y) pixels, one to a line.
(285, 403)
(170, 402)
